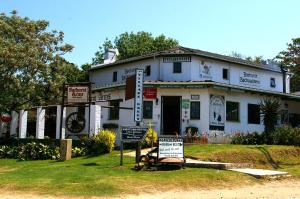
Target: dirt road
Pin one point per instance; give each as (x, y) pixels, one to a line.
(284, 189)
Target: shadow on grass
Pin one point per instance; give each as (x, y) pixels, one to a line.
(91, 164)
(268, 156)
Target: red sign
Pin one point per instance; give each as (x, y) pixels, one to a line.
(6, 118)
(150, 93)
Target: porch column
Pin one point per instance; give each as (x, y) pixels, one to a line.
(40, 123)
(23, 124)
(58, 119)
(95, 119)
(14, 124)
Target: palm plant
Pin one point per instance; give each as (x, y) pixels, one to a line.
(269, 108)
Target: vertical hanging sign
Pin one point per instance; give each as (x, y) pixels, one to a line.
(138, 102)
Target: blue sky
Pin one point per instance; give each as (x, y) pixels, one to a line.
(250, 27)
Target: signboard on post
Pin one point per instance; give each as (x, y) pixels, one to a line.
(77, 94)
(170, 147)
(138, 100)
(133, 134)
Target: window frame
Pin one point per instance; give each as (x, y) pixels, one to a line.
(195, 118)
(115, 76)
(238, 112)
(150, 102)
(248, 114)
(227, 73)
(148, 70)
(175, 65)
(116, 112)
(272, 86)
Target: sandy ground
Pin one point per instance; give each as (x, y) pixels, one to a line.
(277, 189)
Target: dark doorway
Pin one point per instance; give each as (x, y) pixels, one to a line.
(50, 122)
(171, 115)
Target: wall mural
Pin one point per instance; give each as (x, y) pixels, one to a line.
(205, 71)
(217, 113)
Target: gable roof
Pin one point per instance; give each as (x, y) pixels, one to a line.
(189, 51)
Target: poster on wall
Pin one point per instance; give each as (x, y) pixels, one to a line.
(249, 79)
(217, 113)
(205, 71)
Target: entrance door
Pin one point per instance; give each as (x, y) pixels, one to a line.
(171, 115)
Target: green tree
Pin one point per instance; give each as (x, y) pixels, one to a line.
(269, 108)
(135, 44)
(290, 59)
(32, 69)
(255, 59)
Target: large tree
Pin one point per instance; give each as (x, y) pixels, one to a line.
(135, 44)
(32, 68)
(290, 59)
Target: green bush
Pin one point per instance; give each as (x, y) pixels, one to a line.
(151, 135)
(103, 142)
(30, 151)
(248, 138)
(287, 135)
(79, 151)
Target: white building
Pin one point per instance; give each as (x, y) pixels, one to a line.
(185, 87)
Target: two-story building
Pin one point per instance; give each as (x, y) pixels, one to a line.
(185, 87)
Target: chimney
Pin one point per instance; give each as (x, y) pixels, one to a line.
(110, 55)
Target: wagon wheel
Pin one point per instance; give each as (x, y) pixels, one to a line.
(75, 122)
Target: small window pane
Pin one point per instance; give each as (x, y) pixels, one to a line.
(195, 110)
(148, 70)
(253, 114)
(225, 73)
(177, 67)
(272, 82)
(232, 111)
(147, 109)
(114, 112)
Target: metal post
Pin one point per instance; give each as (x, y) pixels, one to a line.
(89, 123)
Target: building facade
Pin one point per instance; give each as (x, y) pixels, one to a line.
(183, 87)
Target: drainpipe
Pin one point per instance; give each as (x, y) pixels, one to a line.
(283, 78)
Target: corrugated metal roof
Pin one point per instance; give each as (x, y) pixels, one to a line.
(189, 51)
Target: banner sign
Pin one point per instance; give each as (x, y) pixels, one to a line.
(185, 104)
(150, 93)
(133, 134)
(249, 79)
(78, 94)
(217, 113)
(138, 100)
(170, 147)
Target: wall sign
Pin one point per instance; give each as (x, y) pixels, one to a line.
(138, 100)
(249, 79)
(133, 134)
(78, 94)
(205, 71)
(217, 113)
(185, 104)
(150, 93)
(195, 97)
(170, 147)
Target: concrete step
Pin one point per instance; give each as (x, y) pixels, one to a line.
(215, 165)
(262, 173)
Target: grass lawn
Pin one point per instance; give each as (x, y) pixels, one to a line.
(102, 175)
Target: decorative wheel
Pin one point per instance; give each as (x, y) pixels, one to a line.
(75, 122)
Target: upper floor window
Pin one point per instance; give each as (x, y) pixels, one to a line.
(272, 82)
(177, 67)
(225, 73)
(148, 70)
(115, 76)
(253, 114)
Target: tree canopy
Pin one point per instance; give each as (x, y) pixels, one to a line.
(290, 59)
(32, 68)
(134, 44)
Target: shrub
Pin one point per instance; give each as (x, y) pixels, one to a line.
(248, 138)
(77, 151)
(287, 135)
(103, 142)
(150, 135)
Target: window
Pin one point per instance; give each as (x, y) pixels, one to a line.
(114, 112)
(115, 76)
(147, 109)
(177, 67)
(148, 70)
(195, 110)
(253, 114)
(232, 111)
(225, 73)
(272, 82)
